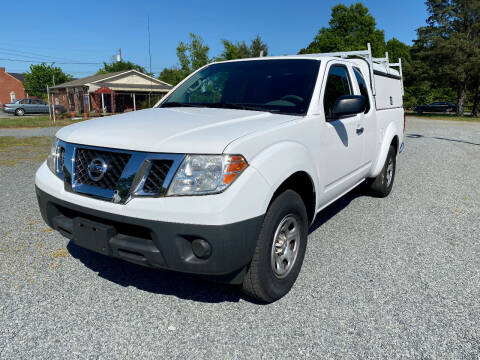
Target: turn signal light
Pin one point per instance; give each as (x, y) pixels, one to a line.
(236, 164)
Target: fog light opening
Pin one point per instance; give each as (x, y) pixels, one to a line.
(201, 248)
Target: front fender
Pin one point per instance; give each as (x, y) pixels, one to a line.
(278, 162)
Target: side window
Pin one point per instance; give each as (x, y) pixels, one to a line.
(363, 87)
(25, 101)
(338, 84)
(36, 102)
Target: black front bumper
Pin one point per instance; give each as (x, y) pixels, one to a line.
(155, 244)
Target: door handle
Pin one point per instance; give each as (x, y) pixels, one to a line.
(360, 130)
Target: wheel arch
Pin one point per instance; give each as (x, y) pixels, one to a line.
(302, 183)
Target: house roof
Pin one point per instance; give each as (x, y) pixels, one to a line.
(18, 76)
(106, 79)
(86, 80)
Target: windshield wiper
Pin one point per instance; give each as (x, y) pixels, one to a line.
(179, 104)
(224, 105)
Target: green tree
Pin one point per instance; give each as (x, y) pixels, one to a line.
(350, 28)
(447, 51)
(234, 50)
(120, 66)
(191, 56)
(257, 46)
(240, 50)
(39, 76)
(171, 75)
(398, 50)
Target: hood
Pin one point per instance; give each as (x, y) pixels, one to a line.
(171, 130)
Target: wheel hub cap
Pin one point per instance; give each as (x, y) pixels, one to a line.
(389, 172)
(285, 246)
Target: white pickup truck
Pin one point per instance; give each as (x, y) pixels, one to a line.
(225, 174)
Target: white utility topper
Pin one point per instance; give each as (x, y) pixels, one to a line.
(224, 176)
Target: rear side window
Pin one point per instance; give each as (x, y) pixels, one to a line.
(363, 87)
(338, 84)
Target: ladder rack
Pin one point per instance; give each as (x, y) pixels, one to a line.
(367, 56)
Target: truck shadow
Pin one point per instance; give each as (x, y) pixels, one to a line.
(336, 207)
(183, 286)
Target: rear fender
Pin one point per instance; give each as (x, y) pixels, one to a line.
(390, 132)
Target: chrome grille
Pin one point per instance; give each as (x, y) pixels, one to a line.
(115, 161)
(156, 176)
(61, 158)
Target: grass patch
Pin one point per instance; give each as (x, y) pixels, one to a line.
(445, 117)
(9, 141)
(33, 122)
(14, 150)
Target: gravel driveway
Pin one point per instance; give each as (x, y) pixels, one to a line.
(382, 278)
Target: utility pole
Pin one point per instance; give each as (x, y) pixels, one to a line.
(150, 57)
(53, 103)
(48, 98)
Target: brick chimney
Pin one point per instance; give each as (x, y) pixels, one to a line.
(2, 69)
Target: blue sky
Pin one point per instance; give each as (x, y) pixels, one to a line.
(92, 31)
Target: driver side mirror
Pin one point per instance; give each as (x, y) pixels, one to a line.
(349, 105)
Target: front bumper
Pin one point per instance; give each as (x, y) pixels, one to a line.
(152, 243)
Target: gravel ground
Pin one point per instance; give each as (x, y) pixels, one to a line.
(382, 278)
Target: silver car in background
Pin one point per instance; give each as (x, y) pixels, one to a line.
(30, 106)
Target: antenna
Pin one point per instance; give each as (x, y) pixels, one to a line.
(150, 58)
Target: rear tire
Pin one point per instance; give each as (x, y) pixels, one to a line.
(280, 249)
(19, 112)
(381, 186)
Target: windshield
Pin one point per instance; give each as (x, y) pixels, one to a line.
(280, 86)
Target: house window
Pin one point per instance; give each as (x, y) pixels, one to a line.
(12, 96)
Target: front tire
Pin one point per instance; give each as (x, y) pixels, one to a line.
(381, 186)
(280, 249)
(19, 112)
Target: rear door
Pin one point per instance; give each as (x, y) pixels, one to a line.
(43, 107)
(26, 105)
(341, 138)
(38, 106)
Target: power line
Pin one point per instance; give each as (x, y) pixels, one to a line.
(56, 62)
(31, 54)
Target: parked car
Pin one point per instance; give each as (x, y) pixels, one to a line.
(225, 175)
(30, 106)
(436, 107)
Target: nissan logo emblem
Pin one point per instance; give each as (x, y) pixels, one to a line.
(97, 169)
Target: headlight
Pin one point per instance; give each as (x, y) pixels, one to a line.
(52, 156)
(206, 174)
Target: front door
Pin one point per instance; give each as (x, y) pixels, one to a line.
(342, 141)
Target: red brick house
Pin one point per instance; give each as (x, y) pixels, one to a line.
(111, 93)
(11, 86)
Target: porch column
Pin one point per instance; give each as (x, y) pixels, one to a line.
(112, 102)
(103, 104)
(134, 104)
